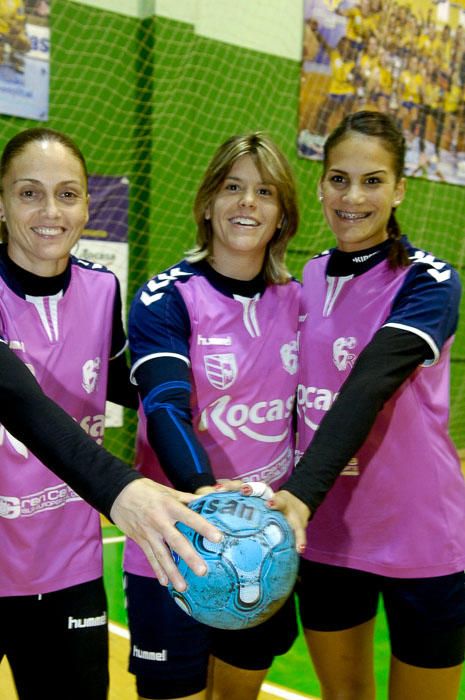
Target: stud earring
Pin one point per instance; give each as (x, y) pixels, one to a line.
(320, 197)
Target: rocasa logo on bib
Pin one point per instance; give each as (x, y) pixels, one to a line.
(313, 398)
(233, 418)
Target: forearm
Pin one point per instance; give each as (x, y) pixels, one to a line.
(183, 459)
(56, 439)
(380, 370)
(165, 387)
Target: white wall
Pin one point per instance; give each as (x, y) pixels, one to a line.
(270, 26)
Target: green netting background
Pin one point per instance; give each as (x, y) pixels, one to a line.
(151, 100)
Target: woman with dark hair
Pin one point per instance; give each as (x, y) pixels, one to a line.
(379, 476)
(61, 317)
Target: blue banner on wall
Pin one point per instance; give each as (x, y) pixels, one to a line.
(105, 241)
(24, 58)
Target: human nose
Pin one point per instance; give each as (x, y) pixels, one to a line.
(354, 194)
(50, 207)
(247, 198)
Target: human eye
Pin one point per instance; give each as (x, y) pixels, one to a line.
(231, 186)
(69, 195)
(337, 179)
(373, 180)
(28, 193)
(266, 191)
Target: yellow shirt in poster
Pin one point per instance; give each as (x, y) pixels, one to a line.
(12, 16)
(452, 99)
(354, 24)
(410, 85)
(341, 70)
(383, 80)
(431, 94)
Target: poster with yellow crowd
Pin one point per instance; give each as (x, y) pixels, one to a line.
(403, 57)
(25, 58)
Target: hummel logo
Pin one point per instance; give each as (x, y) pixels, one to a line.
(201, 340)
(80, 622)
(150, 655)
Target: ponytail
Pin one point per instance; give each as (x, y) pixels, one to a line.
(398, 254)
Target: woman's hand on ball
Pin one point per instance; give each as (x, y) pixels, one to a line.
(248, 488)
(148, 512)
(259, 489)
(204, 490)
(296, 513)
(221, 486)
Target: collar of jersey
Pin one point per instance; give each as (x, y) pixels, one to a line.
(341, 264)
(23, 282)
(230, 286)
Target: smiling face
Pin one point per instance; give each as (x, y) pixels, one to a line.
(359, 189)
(244, 214)
(45, 204)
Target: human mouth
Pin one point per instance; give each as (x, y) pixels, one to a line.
(352, 215)
(48, 231)
(243, 221)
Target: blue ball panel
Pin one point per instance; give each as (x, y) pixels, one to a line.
(250, 573)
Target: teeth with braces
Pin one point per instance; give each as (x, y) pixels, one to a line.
(351, 216)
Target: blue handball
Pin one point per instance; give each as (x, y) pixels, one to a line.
(250, 573)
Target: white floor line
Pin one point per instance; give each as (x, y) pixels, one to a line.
(275, 690)
(118, 630)
(114, 540)
(270, 688)
(280, 692)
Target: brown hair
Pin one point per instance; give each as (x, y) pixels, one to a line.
(272, 165)
(383, 127)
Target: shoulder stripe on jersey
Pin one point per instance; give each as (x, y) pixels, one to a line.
(427, 338)
(152, 357)
(89, 265)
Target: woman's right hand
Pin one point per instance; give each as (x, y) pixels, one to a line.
(148, 513)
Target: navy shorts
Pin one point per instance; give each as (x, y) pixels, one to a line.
(57, 643)
(426, 616)
(170, 651)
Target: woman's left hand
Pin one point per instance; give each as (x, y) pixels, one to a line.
(248, 488)
(296, 513)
